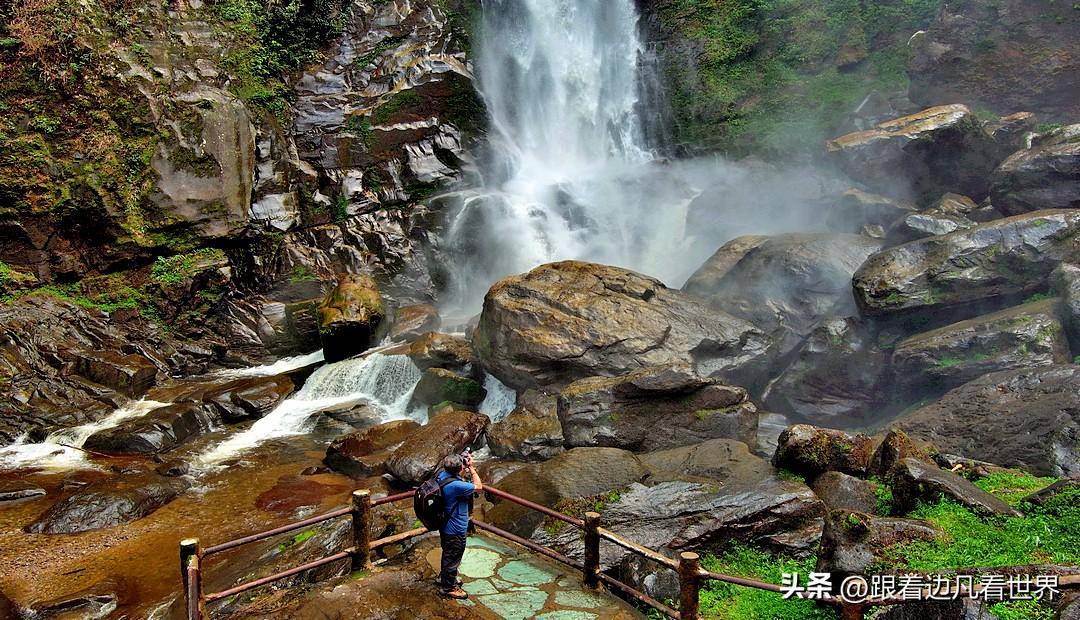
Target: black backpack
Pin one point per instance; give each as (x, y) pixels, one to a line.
(429, 503)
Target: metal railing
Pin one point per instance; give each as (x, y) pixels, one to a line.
(687, 566)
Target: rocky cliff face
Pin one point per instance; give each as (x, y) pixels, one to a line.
(1001, 56)
(213, 168)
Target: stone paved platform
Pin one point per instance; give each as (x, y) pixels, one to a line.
(505, 581)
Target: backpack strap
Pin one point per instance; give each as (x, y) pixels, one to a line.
(442, 485)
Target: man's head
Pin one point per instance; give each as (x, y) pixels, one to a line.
(453, 464)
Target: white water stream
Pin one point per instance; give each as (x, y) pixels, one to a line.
(384, 381)
(60, 450)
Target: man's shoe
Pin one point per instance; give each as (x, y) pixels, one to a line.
(456, 593)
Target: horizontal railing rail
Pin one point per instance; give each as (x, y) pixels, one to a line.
(688, 565)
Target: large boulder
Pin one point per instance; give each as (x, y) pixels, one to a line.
(158, 431)
(250, 398)
(364, 453)
(1003, 56)
(840, 491)
(654, 408)
(703, 495)
(914, 480)
(937, 150)
(787, 284)
(570, 475)
(435, 349)
(411, 322)
(835, 379)
(439, 385)
(1025, 336)
(109, 503)
(570, 320)
(1027, 419)
(447, 432)
(709, 275)
(1006, 258)
(130, 374)
(811, 451)
(1066, 281)
(531, 432)
(854, 542)
(1046, 176)
(350, 316)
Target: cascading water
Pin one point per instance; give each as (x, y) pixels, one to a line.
(566, 173)
(61, 449)
(281, 366)
(384, 381)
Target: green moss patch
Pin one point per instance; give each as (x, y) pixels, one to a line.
(725, 601)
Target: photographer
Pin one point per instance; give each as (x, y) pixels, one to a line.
(458, 496)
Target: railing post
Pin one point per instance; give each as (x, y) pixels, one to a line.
(361, 526)
(191, 573)
(592, 550)
(689, 582)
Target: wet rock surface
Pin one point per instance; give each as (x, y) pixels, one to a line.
(1015, 418)
(854, 542)
(438, 385)
(531, 432)
(654, 408)
(364, 453)
(13, 491)
(158, 431)
(937, 150)
(787, 284)
(701, 495)
(811, 451)
(570, 320)
(1025, 336)
(1012, 257)
(843, 492)
(836, 378)
(247, 399)
(447, 432)
(109, 503)
(1046, 176)
(915, 480)
(411, 322)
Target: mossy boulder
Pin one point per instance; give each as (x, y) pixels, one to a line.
(1024, 336)
(914, 481)
(364, 453)
(854, 542)
(531, 432)
(439, 385)
(350, 316)
(1046, 176)
(811, 451)
(447, 432)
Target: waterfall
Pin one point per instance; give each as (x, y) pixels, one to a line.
(384, 381)
(500, 399)
(568, 165)
(60, 450)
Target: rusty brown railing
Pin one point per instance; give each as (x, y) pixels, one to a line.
(688, 565)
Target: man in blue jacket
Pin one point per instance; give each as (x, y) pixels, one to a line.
(458, 497)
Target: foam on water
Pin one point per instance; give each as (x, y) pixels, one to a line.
(384, 381)
(283, 365)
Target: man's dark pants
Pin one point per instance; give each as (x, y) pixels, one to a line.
(453, 548)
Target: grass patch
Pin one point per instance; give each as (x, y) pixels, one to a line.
(1022, 610)
(171, 271)
(1038, 297)
(949, 362)
(725, 601)
(884, 496)
(1045, 534)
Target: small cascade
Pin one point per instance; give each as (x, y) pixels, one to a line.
(60, 450)
(500, 399)
(282, 366)
(384, 381)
